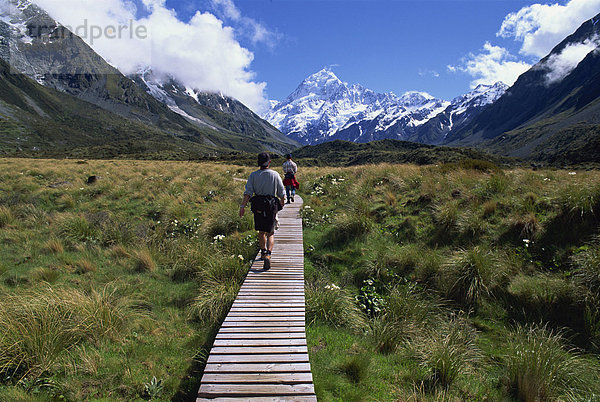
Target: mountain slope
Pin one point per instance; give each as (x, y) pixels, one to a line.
(539, 114)
(36, 45)
(461, 112)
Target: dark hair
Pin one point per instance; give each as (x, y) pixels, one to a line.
(288, 156)
(264, 159)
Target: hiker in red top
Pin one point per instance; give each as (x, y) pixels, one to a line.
(264, 190)
(290, 183)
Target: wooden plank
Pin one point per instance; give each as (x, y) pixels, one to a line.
(247, 313)
(244, 390)
(251, 308)
(260, 352)
(243, 350)
(259, 342)
(249, 378)
(267, 335)
(256, 367)
(297, 398)
(260, 329)
(260, 358)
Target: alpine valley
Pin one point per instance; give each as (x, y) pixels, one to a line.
(59, 98)
(550, 114)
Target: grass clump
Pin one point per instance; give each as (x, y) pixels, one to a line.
(538, 367)
(41, 327)
(6, 217)
(446, 353)
(334, 306)
(77, 229)
(469, 275)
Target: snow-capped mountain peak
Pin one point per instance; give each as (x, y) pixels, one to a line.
(323, 106)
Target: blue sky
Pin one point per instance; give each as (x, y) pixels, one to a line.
(385, 45)
(255, 50)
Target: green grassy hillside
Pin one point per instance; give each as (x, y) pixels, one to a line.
(345, 153)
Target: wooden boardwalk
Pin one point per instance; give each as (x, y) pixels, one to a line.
(260, 352)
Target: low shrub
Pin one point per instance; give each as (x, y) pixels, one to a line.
(539, 368)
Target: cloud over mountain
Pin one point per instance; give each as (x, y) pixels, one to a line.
(202, 53)
(541, 26)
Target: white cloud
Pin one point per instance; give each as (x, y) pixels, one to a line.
(542, 26)
(492, 64)
(560, 65)
(248, 27)
(202, 53)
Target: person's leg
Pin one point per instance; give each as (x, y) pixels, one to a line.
(288, 191)
(293, 193)
(262, 242)
(270, 241)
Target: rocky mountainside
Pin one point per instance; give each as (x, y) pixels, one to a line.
(323, 108)
(461, 111)
(552, 112)
(34, 44)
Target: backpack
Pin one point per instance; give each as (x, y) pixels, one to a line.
(267, 205)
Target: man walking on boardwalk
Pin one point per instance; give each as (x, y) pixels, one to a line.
(264, 190)
(289, 170)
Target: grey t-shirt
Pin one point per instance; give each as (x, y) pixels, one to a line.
(265, 182)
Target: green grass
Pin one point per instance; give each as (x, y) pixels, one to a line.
(101, 286)
(444, 261)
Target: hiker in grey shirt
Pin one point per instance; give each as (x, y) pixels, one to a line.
(264, 189)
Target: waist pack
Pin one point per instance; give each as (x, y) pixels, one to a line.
(266, 205)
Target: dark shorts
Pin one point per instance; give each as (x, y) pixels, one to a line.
(264, 224)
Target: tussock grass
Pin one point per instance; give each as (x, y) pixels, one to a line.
(214, 299)
(44, 274)
(41, 327)
(54, 246)
(538, 367)
(408, 315)
(143, 261)
(77, 229)
(469, 275)
(6, 217)
(446, 353)
(333, 306)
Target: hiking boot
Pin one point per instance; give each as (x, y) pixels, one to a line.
(289, 200)
(292, 198)
(263, 254)
(267, 261)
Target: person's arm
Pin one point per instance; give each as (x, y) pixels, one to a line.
(243, 205)
(280, 191)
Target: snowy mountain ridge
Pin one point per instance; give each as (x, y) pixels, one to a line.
(323, 108)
